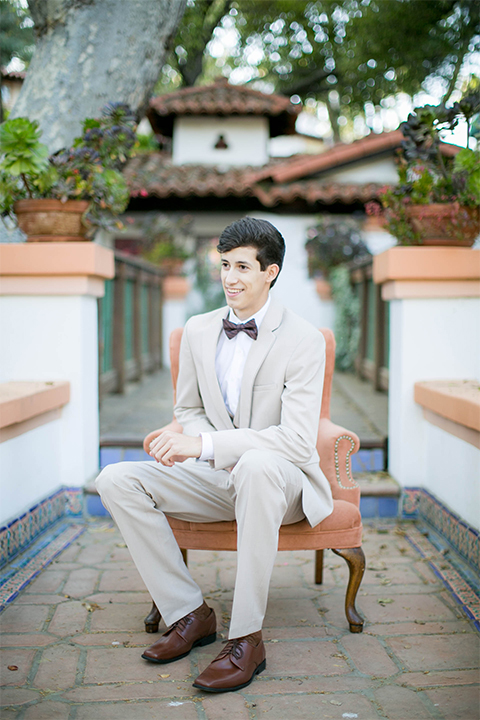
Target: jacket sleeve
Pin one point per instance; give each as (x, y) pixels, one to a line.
(296, 436)
(189, 409)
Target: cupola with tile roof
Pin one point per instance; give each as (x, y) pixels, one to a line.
(221, 124)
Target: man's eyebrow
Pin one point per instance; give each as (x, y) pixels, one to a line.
(238, 262)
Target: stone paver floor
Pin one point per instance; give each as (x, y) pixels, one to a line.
(72, 640)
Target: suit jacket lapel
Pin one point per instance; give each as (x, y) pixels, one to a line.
(209, 349)
(258, 352)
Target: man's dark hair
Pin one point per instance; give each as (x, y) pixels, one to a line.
(255, 233)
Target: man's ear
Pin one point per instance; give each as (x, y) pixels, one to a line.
(271, 273)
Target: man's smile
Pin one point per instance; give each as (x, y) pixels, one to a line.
(233, 292)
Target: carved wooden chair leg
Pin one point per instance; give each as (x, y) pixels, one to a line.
(152, 620)
(356, 564)
(318, 567)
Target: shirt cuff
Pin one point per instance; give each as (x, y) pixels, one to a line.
(207, 447)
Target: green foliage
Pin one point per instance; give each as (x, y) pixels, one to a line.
(16, 32)
(167, 239)
(24, 154)
(356, 48)
(347, 318)
(146, 144)
(425, 175)
(89, 170)
(467, 163)
(25, 170)
(311, 47)
(188, 59)
(332, 241)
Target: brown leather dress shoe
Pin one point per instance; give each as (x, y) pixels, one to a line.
(196, 628)
(235, 667)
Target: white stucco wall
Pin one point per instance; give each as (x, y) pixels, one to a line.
(194, 140)
(52, 338)
(30, 469)
(378, 171)
(431, 339)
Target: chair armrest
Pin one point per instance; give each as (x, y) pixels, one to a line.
(174, 426)
(335, 446)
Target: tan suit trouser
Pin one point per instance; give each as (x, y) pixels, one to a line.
(262, 492)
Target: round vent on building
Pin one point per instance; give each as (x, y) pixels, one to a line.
(220, 144)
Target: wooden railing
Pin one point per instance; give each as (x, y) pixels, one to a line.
(130, 323)
(373, 352)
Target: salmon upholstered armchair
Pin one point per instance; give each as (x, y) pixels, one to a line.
(341, 531)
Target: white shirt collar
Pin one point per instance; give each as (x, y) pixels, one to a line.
(258, 316)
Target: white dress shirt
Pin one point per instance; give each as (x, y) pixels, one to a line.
(230, 360)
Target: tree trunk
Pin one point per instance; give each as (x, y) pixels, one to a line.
(333, 115)
(90, 52)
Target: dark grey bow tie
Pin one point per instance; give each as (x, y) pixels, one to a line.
(232, 329)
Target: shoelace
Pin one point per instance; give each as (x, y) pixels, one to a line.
(232, 647)
(182, 623)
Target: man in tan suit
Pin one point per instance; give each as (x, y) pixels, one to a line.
(248, 397)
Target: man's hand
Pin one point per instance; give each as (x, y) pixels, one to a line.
(171, 447)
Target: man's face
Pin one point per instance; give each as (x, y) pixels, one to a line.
(245, 284)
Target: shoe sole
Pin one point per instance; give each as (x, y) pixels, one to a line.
(259, 669)
(198, 643)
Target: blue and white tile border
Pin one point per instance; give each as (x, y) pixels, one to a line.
(453, 581)
(20, 573)
(419, 503)
(20, 533)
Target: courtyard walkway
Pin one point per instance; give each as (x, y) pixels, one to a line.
(72, 640)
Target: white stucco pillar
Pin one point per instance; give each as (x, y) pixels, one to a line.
(434, 296)
(49, 331)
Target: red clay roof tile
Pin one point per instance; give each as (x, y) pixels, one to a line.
(222, 98)
(338, 156)
(155, 175)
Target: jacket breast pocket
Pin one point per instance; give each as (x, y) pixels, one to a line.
(269, 387)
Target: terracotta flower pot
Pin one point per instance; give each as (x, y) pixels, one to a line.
(51, 220)
(172, 266)
(445, 223)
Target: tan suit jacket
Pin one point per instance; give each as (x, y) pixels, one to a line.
(280, 397)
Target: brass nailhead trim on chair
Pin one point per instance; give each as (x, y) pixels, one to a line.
(347, 463)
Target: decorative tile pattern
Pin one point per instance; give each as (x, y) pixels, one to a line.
(410, 501)
(18, 535)
(418, 503)
(22, 573)
(460, 589)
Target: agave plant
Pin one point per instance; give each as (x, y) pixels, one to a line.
(89, 170)
(428, 176)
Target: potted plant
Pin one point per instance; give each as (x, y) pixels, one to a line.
(333, 241)
(437, 199)
(68, 195)
(168, 242)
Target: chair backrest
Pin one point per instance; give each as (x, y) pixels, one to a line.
(176, 339)
(174, 347)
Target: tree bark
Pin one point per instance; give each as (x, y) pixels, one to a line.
(333, 115)
(90, 52)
